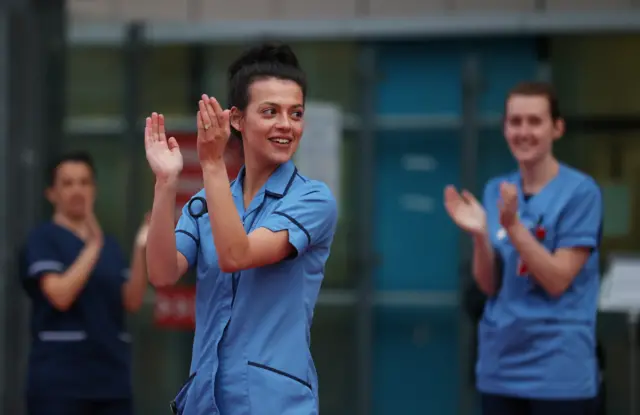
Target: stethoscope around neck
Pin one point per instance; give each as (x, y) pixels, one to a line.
(203, 209)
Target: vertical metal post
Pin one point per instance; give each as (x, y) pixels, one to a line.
(469, 170)
(32, 58)
(366, 139)
(133, 134)
(5, 133)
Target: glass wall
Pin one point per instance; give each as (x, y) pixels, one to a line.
(597, 81)
(419, 114)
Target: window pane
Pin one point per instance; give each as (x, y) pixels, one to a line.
(597, 75)
(166, 81)
(613, 160)
(161, 360)
(330, 69)
(333, 337)
(95, 80)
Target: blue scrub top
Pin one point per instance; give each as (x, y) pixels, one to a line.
(532, 345)
(251, 348)
(83, 352)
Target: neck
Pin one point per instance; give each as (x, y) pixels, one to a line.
(77, 226)
(537, 174)
(255, 176)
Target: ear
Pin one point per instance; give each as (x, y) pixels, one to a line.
(559, 127)
(48, 193)
(235, 118)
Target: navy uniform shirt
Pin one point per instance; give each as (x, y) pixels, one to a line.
(531, 344)
(251, 348)
(83, 352)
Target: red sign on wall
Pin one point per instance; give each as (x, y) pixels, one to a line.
(175, 306)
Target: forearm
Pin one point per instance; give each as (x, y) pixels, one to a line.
(232, 242)
(62, 290)
(541, 263)
(135, 287)
(161, 249)
(484, 264)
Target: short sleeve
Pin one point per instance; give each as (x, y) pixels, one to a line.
(187, 236)
(580, 223)
(40, 256)
(310, 216)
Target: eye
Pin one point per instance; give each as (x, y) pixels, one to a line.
(269, 111)
(297, 114)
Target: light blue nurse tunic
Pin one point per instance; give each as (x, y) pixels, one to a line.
(533, 345)
(251, 348)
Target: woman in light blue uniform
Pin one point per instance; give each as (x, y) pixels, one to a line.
(259, 245)
(542, 227)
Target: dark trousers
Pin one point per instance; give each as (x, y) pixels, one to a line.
(70, 406)
(504, 405)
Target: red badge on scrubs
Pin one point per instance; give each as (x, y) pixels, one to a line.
(540, 233)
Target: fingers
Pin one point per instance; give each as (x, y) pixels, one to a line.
(200, 122)
(172, 143)
(469, 197)
(154, 126)
(207, 120)
(147, 132)
(210, 106)
(161, 130)
(218, 112)
(154, 129)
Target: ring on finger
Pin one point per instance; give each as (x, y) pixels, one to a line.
(207, 126)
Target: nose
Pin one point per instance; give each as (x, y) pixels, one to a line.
(283, 122)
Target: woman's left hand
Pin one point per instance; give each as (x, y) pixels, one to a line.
(508, 205)
(214, 130)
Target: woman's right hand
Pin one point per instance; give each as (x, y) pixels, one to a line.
(163, 155)
(465, 210)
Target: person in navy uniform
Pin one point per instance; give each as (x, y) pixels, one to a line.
(259, 245)
(543, 224)
(80, 287)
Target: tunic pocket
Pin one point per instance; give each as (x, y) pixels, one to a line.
(273, 391)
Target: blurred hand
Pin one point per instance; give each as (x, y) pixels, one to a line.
(214, 130)
(465, 211)
(141, 236)
(163, 155)
(94, 236)
(508, 204)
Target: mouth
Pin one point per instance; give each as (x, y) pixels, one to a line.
(281, 141)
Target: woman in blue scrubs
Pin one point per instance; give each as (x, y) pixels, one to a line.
(259, 245)
(80, 287)
(541, 226)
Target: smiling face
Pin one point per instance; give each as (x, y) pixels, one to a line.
(273, 123)
(529, 127)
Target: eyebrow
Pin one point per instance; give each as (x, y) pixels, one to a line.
(279, 105)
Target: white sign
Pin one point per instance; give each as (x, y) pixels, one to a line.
(320, 153)
(620, 290)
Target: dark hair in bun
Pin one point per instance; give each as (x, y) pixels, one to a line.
(269, 60)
